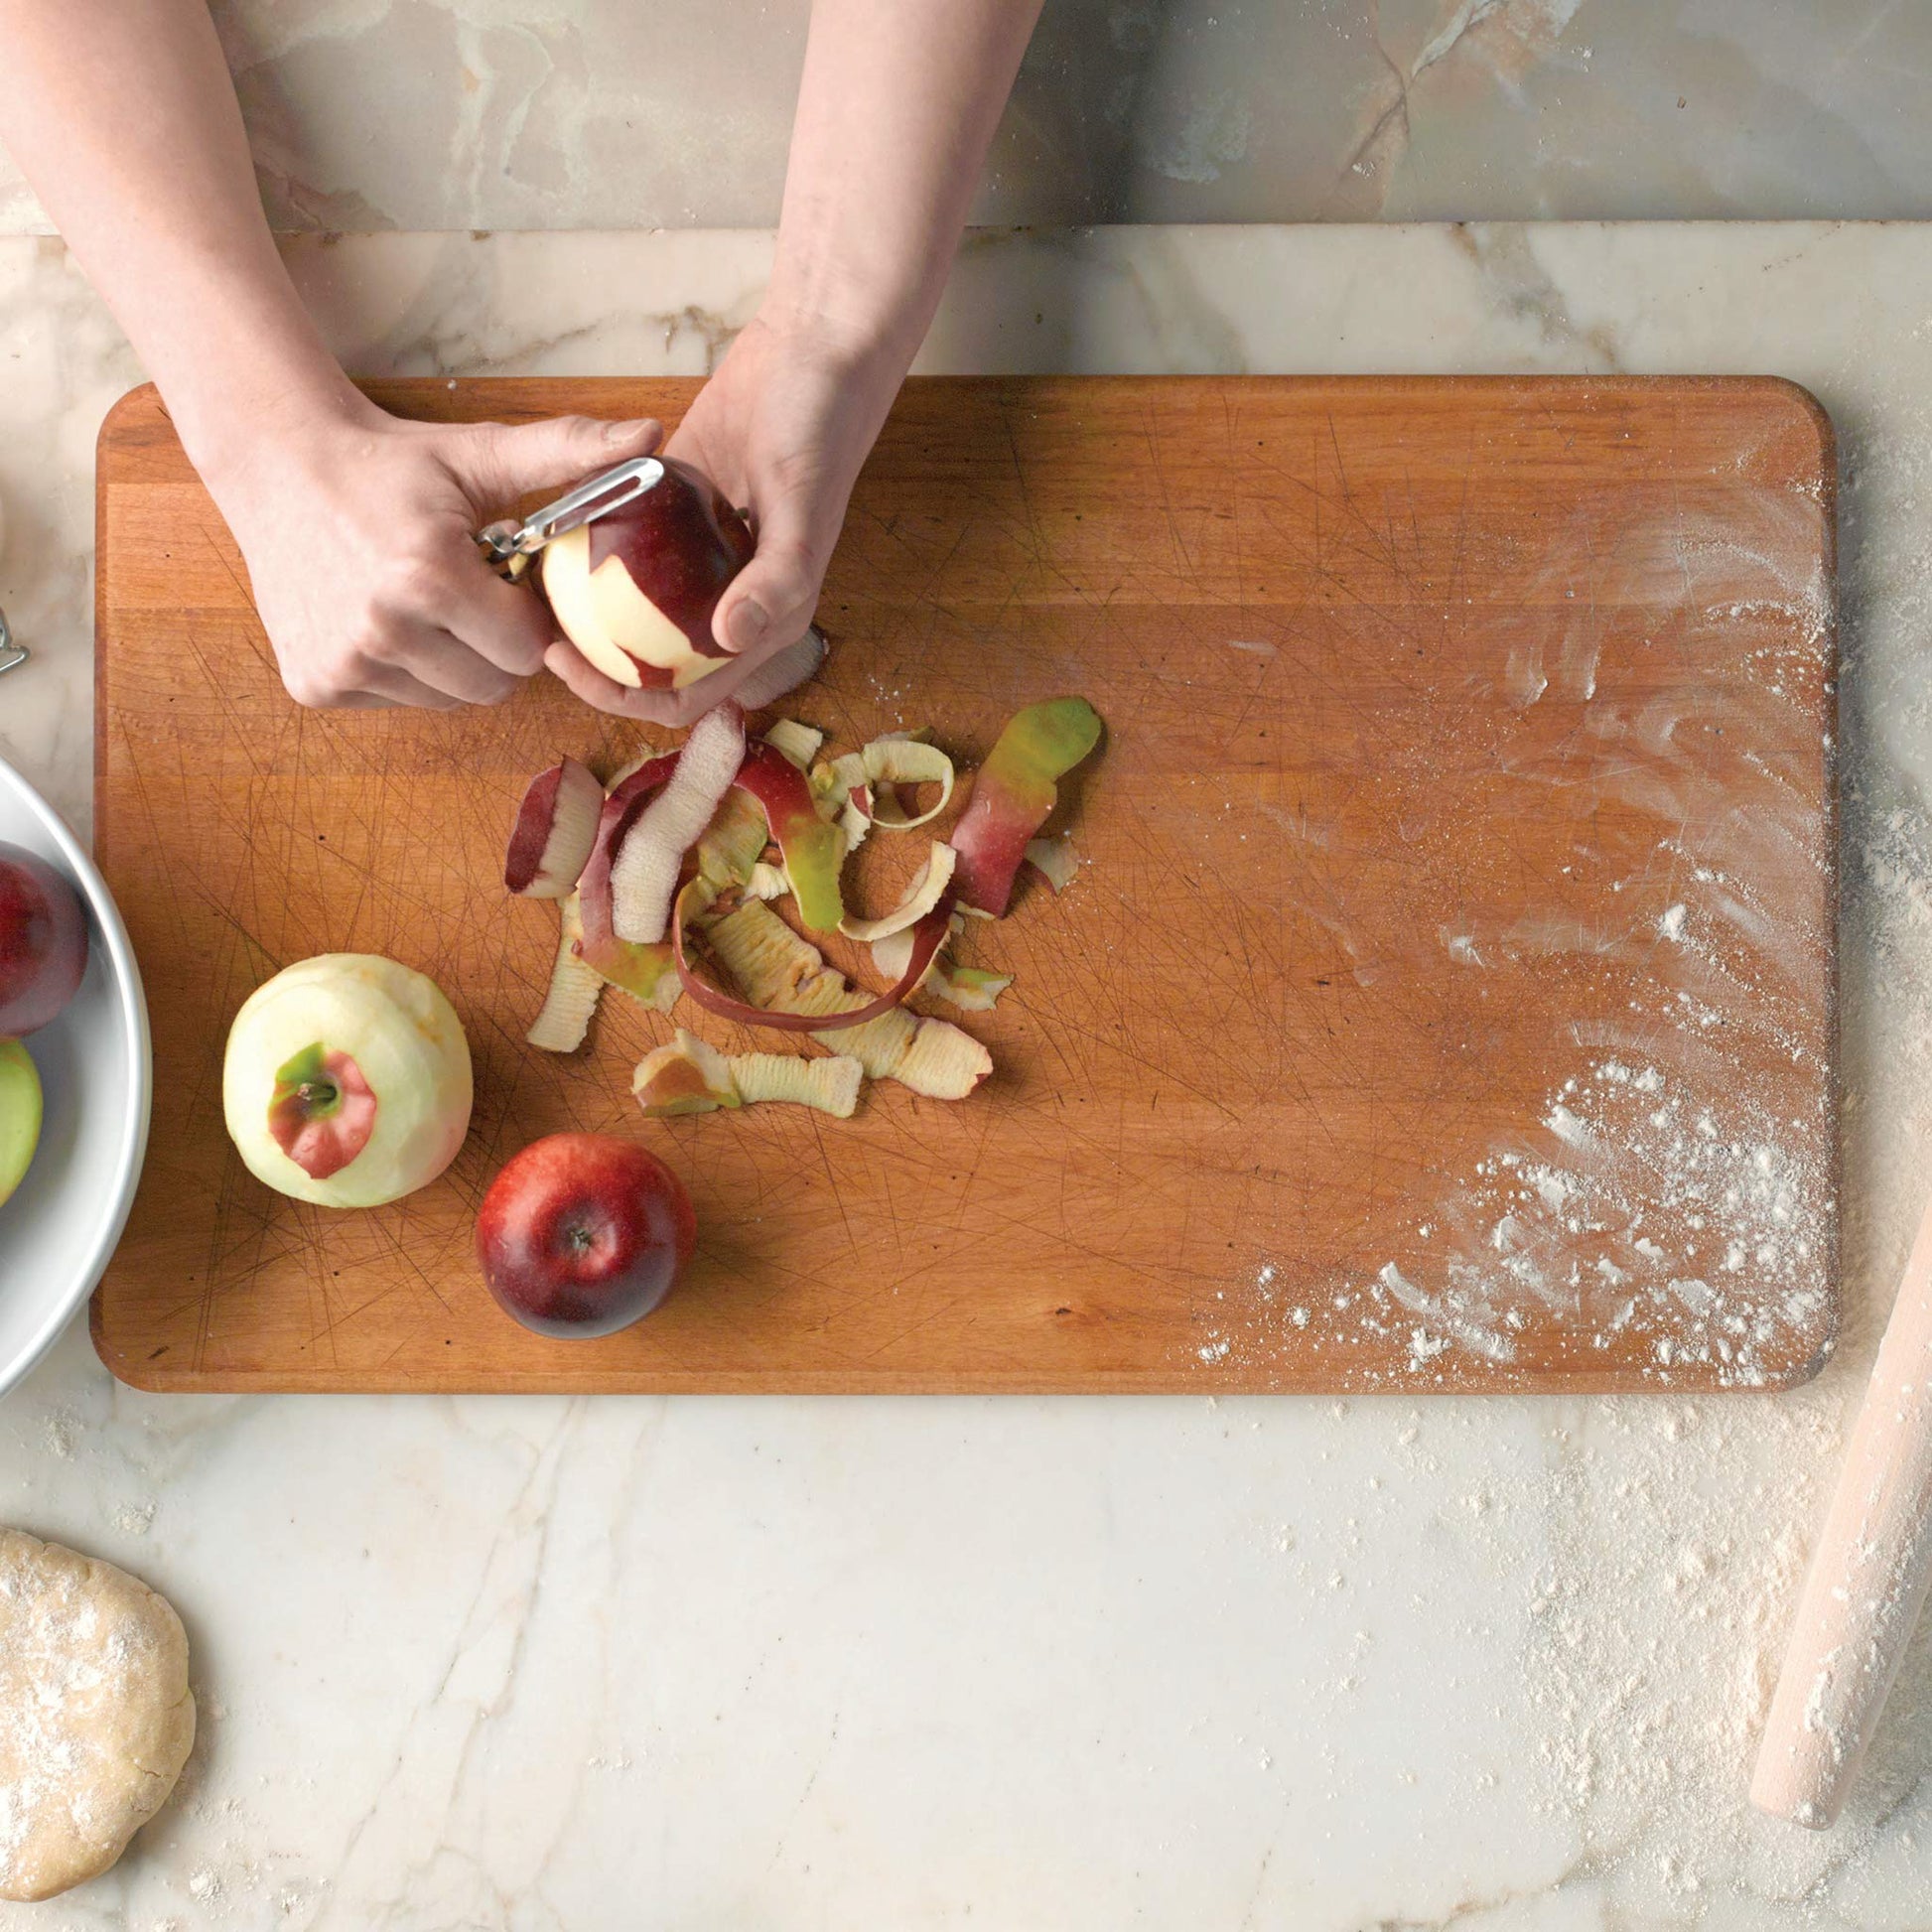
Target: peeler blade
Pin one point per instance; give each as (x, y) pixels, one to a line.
(506, 543)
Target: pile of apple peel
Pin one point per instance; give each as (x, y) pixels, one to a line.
(684, 854)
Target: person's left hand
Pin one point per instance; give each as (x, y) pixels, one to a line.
(782, 428)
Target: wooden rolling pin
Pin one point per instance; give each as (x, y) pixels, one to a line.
(1868, 1580)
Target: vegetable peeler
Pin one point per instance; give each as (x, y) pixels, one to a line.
(508, 546)
(11, 653)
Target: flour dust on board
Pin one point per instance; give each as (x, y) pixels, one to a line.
(1661, 1186)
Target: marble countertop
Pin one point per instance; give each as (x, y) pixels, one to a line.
(1076, 1662)
(453, 114)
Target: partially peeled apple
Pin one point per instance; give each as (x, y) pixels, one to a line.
(347, 1081)
(635, 591)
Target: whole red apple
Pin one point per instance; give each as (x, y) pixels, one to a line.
(583, 1234)
(43, 941)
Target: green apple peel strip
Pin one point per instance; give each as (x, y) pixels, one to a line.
(813, 851)
(1013, 794)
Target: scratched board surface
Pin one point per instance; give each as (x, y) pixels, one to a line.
(1445, 998)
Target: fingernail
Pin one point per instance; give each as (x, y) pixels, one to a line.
(746, 624)
(627, 432)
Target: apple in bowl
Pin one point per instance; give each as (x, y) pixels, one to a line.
(583, 1234)
(347, 1081)
(635, 590)
(21, 1111)
(43, 941)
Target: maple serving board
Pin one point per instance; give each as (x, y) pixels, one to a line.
(1444, 1000)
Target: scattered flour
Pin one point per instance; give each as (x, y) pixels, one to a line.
(1663, 1539)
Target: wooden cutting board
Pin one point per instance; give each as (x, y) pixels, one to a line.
(1445, 1001)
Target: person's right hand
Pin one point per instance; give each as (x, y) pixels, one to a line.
(783, 427)
(359, 541)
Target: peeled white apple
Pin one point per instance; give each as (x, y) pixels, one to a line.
(635, 591)
(347, 1081)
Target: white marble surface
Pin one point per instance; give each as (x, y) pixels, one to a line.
(616, 114)
(1028, 1663)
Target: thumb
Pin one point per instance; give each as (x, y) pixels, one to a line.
(501, 462)
(771, 601)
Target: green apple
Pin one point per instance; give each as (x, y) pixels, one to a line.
(20, 1114)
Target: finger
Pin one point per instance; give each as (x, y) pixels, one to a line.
(389, 684)
(582, 677)
(445, 664)
(782, 672)
(498, 462)
(507, 625)
(572, 669)
(344, 701)
(673, 708)
(772, 599)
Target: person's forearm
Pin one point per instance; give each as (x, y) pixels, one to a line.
(896, 111)
(122, 116)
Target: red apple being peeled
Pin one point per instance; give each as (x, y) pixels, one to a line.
(583, 1234)
(635, 590)
(43, 941)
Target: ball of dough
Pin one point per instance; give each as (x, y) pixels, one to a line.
(97, 1719)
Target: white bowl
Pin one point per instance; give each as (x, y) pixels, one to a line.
(61, 1226)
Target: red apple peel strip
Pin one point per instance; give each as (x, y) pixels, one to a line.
(927, 936)
(650, 854)
(893, 953)
(795, 741)
(973, 989)
(556, 827)
(629, 768)
(868, 778)
(927, 889)
(776, 969)
(813, 851)
(970, 988)
(1055, 861)
(623, 804)
(894, 760)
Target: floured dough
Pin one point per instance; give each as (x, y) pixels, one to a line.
(96, 1715)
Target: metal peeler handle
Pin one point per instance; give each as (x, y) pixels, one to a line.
(508, 546)
(11, 653)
